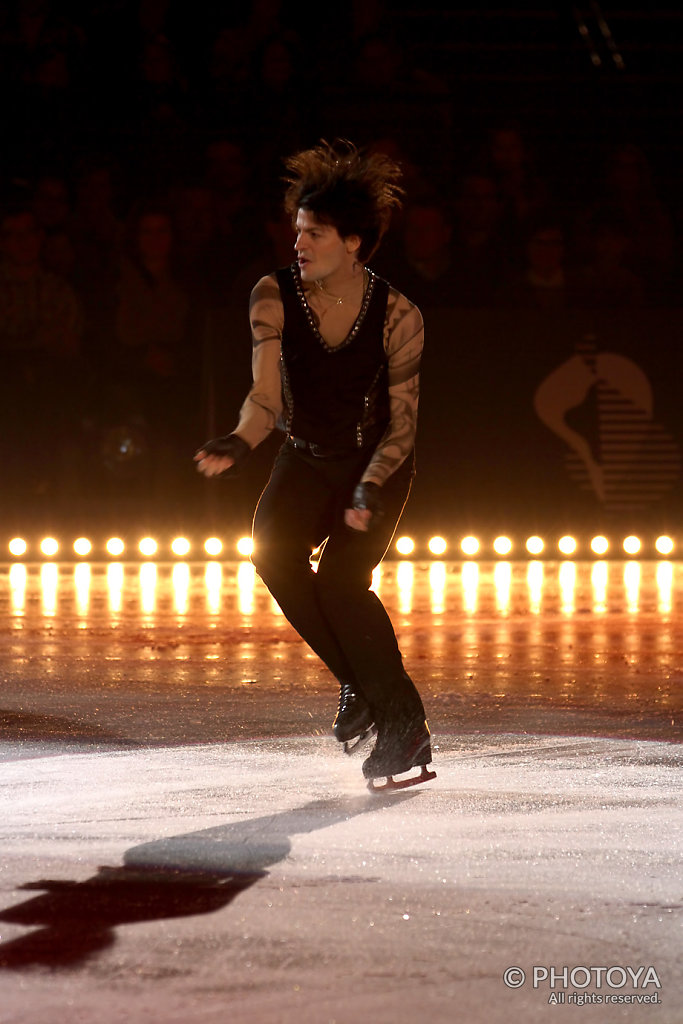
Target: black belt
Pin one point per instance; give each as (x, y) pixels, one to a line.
(317, 450)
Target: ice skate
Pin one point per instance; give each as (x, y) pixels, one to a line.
(398, 750)
(353, 725)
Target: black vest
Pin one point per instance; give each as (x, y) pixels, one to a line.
(336, 396)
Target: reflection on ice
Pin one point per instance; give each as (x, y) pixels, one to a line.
(115, 585)
(437, 587)
(665, 579)
(404, 582)
(148, 585)
(599, 580)
(534, 579)
(82, 587)
(470, 586)
(567, 586)
(17, 583)
(181, 587)
(502, 581)
(632, 586)
(49, 580)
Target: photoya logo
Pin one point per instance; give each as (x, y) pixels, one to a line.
(581, 978)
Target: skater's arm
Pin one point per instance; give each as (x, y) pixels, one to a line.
(263, 405)
(404, 339)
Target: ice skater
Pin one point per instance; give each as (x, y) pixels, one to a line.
(336, 359)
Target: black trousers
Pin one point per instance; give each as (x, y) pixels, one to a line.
(333, 609)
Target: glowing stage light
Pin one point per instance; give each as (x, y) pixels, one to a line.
(245, 547)
(599, 545)
(49, 547)
(148, 547)
(18, 547)
(632, 545)
(502, 545)
(213, 546)
(534, 545)
(567, 545)
(180, 547)
(82, 546)
(115, 546)
(405, 545)
(437, 545)
(469, 545)
(664, 545)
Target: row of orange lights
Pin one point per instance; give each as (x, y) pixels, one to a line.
(148, 547)
(405, 546)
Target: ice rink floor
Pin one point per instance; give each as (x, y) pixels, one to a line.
(183, 841)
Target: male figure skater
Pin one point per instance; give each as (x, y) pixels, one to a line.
(336, 356)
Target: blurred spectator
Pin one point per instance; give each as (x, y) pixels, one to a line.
(43, 49)
(480, 259)
(523, 193)
(281, 108)
(51, 208)
(153, 315)
(606, 282)
(389, 89)
(50, 202)
(158, 353)
(545, 283)
(224, 95)
(39, 314)
(627, 192)
(239, 235)
(194, 224)
(424, 269)
(40, 335)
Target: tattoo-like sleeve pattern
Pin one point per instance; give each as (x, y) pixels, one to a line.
(403, 342)
(262, 407)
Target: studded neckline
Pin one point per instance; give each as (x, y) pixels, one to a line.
(358, 323)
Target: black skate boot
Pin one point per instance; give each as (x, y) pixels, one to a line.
(400, 746)
(354, 721)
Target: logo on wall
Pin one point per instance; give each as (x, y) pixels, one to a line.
(627, 460)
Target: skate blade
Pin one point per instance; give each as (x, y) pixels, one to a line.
(351, 746)
(391, 783)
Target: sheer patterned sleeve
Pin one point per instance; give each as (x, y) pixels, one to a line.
(403, 342)
(262, 407)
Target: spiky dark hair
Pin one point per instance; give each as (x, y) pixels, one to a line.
(351, 190)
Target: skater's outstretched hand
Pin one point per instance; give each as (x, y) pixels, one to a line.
(221, 455)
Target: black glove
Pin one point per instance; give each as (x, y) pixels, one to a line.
(368, 496)
(232, 446)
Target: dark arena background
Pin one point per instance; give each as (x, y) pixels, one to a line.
(181, 838)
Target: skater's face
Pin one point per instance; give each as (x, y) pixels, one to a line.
(321, 252)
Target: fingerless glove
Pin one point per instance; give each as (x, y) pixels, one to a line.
(232, 446)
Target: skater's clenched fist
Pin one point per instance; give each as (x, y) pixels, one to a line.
(221, 455)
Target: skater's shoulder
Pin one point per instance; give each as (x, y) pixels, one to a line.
(402, 313)
(266, 292)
